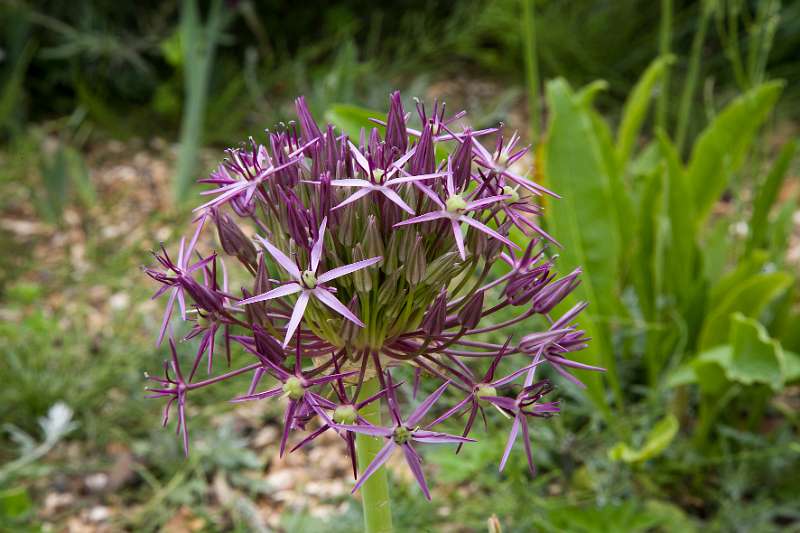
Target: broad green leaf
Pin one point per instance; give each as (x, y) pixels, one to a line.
(350, 118)
(683, 375)
(766, 196)
(791, 366)
(657, 440)
(585, 97)
(750, 298)
(574, 167)
(636, 107)
(709, 368)
(747, 268)
(756, 358)
(646, 161)
(680, 255)
(623, 206)
(780, 231)
(751, 357)
(721, 148)
(717, 245)
(647, 264)
(582, 218)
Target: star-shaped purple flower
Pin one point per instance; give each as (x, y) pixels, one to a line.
(308, 283)
(176, 283)
(454, 209)
(401, 434)
(524, 405)
(481, 391)
(174, 388)
(502, 158)
(295, 386)
(346, 411)
(382, 180)
(249, 175)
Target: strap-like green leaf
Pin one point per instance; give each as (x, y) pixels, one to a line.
(722, 147)
(636, 107)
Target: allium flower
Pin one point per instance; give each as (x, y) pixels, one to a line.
(374, 257)
(402, 434)
(308, 283)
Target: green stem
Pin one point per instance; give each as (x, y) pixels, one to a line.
(687, 97)
(664, 44)
(199, 46)
(375, 491)
(531, 66)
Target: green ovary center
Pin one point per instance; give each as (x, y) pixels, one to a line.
(456, 204)
(401, 435)
(482, 391)
(309, 279)
(512, 192)
(345, 414)
(293, 388)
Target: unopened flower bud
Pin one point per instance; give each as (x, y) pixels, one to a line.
(392, 258)
(433, 321)
(416, 263)
(362, 279)
(407, 241)
(441, 268)
(396, 134)
(234, 241)
(470, 315)
(388, 290)
(347, 225)
(373, 242)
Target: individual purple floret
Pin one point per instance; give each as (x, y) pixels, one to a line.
(402, 433)
(454, 209)
(308, 283)
(352, 259)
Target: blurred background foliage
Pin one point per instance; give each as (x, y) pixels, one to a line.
(669, 128)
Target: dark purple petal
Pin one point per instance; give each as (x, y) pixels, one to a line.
(416, 468)
(380, 458)
(426, 405)
(347, 269)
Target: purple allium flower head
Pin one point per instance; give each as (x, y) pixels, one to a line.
(359, 258)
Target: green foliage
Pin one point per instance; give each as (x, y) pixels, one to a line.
(751, 296)
(628, 516)
(16, 509)
(637, 220)
(198, 42)
(749, 357)
(351, 119)
(656, 441)
(574, 166)
(637, 105)
(704, 315)
(722, 147)
(766, 196)
(62, 172)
